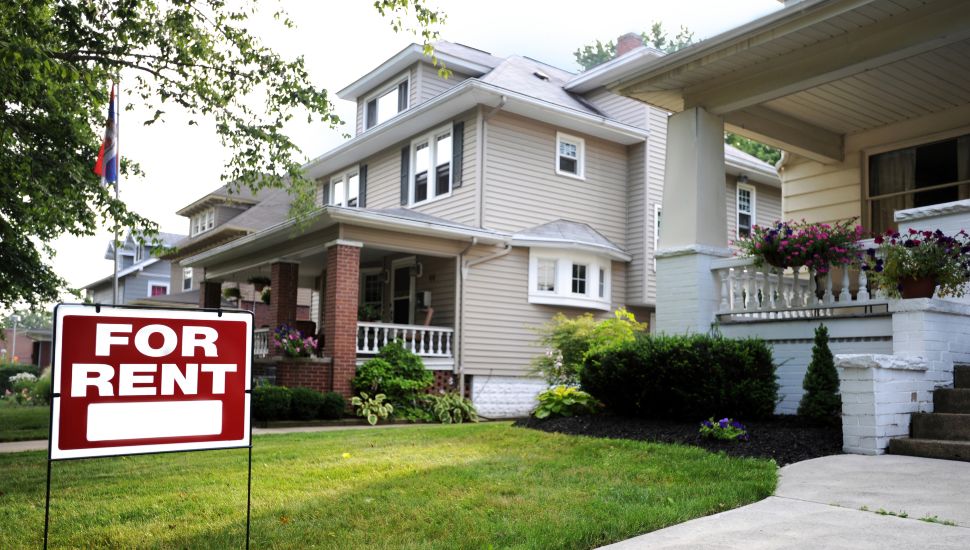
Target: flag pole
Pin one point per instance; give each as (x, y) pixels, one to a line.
(117, 159)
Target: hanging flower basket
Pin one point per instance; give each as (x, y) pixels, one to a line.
(818, 246)
(922, 287)
(259, 282)
(915, 264)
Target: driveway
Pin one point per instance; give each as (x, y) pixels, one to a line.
(840, 502)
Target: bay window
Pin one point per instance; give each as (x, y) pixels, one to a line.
(566, 277)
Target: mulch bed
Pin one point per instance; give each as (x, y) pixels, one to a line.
(785, 438)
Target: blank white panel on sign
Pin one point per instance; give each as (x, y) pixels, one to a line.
(115, 421)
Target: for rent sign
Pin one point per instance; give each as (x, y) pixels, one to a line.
(130, 381)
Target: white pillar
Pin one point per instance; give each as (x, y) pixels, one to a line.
(693, 230)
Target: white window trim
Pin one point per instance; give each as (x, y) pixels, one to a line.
(168, 289)
(580, 155)
(364, 273)
(563, 295)
(203, 218)
(431, 139)
(384, 90)
(534, 286)
(189, 278)
(410, 261)
(586, 277)
(342, 177)
(737, 207)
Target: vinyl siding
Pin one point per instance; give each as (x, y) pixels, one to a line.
(136, 284)
(224, 213)
(429, 84)
(499, 335)
(621, 108)
(767, 205)
(637, 222)
(656, 157)
(522, 188)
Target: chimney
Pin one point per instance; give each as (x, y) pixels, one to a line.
(627, 43)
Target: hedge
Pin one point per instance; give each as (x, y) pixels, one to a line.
(684, 377)
(282, 403)
(7, 371)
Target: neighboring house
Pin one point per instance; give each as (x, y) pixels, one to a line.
(466, 212)
(214, 219)
(871, 102)
(140, 273)
(33, 346)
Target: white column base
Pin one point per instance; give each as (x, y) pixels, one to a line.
(686, 289)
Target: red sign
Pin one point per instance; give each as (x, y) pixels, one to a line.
(129, 381)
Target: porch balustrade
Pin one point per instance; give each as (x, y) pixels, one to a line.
(744, 291)
(261, 342)
(425, 341)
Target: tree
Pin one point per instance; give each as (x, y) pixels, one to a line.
(598, 52)
(56, 65)
(35, 317)
(821, 402)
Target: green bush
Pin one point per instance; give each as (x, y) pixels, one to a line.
(451, 408)
(271, 402)
(41, 391)
(684, 377)
(821, 402)
(6, 371)
(305, 403)
(396, 372)
(565, 401)
(333, 406)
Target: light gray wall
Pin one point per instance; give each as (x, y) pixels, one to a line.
(425, 84)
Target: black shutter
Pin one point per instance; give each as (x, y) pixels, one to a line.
(326, 193)
(370, 117)
(405, 173)
(402, 96)
(362, 192)
(457, 148)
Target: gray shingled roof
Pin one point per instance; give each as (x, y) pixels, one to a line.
(408, 214)
(518, 74)
(273, 208)
(564, 231)
(467, 52)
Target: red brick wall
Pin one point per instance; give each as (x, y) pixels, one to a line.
(284, 279)
(261, 314)
(340, 314)
(447, 381)
(210, 294)
(306, 374)
(25, 347)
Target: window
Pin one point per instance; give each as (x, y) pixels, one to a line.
(546, 276)
(569, 155)
(922, 175)
(431, 158)
(343, 190)
(579, 279)
(386, 104)
(745, 208)
(372, 293)
(203, 221)
(187, 278)
(157, 289)
(569, 278)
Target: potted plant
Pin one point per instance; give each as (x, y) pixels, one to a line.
(818, 246)
(231, 293)
(292, 343)
(368, 313)
(259, 282)
(917, 263)
(265, 296)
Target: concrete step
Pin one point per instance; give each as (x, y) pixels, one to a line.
(931, 448)
(947, 400)
(961, 376)
(949, 426)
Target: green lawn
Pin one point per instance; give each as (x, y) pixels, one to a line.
(432, 486)
(19, 423)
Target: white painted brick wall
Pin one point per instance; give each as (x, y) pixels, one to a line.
(505, 396)
(685, 290)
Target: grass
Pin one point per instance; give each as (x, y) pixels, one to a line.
(22, 423)
(459, 486)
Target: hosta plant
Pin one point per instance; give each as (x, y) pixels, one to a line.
(565, 401)
(452, 408)
(372, 408)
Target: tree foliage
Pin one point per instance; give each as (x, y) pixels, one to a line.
(598, 52)
(34, 317)
(821, 401)
(57, 62)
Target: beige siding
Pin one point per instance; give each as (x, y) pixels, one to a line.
(499, 335)
(621, 108)
(438, 276)
(412, 94)
(637, 223)
(767, 205)
(429, 84)
(399, 241)
(656, 156)
(522, 188)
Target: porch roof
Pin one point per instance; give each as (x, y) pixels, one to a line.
(572, 235)
(806, 76)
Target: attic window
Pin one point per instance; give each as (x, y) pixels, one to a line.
(386, 103)
(541, 75)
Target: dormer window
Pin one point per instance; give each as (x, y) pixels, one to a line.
(386, 103)
(203, 221)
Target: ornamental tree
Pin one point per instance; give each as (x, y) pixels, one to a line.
(57, 63)
(821, 402)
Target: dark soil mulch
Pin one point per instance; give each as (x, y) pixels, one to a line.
(786, 438)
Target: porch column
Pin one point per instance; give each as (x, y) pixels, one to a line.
(284, 281)
(693, 230)
(340, 312)
(210, 294)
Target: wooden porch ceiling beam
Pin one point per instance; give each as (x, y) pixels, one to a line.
(929, 27)
(788, 133)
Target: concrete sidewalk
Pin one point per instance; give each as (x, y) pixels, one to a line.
(834, 503)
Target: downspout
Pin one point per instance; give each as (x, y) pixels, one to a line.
(482, 135)
(780, 167)
(463, 267)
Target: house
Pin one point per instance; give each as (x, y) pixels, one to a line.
(26, 346)
(466, 212)
(871, 102)
(140, 273)
(213, 219)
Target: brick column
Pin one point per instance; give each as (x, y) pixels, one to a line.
(284, 280)
(340, 312)
(210, 294)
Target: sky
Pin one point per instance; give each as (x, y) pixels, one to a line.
(341, 41)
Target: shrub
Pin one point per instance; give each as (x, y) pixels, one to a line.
(305, 403)
(724, 429)
(271, 402)
(333, 406)
(451, 408)
(821, 402)
(683, 377)
(372, 408)
(41, 391)
(565, 401)
(396, 372)
(6, 371)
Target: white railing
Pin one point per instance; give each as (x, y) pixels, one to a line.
(426, 341)
(744, 291)
(261, 342)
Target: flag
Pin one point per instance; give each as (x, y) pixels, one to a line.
(107, 163)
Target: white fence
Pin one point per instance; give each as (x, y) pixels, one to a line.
(261, 342)
(745, 291)
(426, 341)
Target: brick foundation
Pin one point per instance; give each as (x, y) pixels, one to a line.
(340, 314)
(447, 381)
